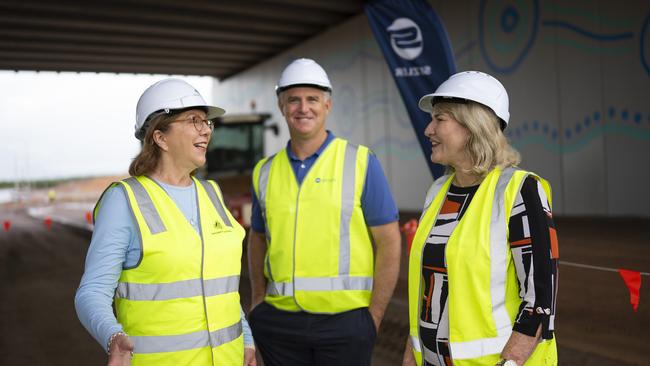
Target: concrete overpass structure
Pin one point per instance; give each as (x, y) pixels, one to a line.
(193, 37)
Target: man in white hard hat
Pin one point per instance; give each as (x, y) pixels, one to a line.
(319, 207)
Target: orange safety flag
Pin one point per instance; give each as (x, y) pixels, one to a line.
(409, 229)
(632, 280)
(6, 224)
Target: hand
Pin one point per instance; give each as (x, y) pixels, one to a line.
(408, 359)
(249, 356)
(520, 346)
(120, 351)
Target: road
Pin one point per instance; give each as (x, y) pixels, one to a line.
(41, 269)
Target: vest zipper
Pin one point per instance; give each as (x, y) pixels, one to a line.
(205, 306)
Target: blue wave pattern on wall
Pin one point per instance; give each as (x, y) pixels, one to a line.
(587, 33)
(621, 122)
(405, 150)
(508, 31)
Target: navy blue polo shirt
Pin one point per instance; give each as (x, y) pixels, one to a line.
(376, 200)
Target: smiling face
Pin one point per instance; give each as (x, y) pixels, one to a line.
(448, 140)
(305, 110)
(184, 143)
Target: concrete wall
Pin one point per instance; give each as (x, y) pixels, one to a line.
(578, 76)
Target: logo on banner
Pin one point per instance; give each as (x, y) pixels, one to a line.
(416, 48)
(405, 38)
(406, 41)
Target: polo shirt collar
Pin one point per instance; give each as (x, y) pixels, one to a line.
(292, 156)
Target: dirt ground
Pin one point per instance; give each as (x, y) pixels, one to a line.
(40, 270)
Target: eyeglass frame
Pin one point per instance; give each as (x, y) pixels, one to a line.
(193, 119)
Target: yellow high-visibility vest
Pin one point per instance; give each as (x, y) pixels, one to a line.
(483, 288)
(180, 304)
(319, 255)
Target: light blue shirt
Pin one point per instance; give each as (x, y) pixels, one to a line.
(115, 245)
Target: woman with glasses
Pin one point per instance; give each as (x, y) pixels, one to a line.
(165, 251)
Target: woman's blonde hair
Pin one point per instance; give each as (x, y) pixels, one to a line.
(487, 146)
(149, 157)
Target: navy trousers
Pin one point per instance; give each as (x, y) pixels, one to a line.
(303, 339)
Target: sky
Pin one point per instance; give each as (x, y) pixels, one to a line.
(64, 125)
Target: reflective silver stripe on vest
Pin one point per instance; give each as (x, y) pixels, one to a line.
(498, 251)
(261, 199)
(176, 290)
(279, 288)
(145, 204)
(209, 188)
(415, 342)
(261, 186)
(183, 342)
(341, 283)
(478, 348)
(347, 205)
(225, 335)
(498, 254)
(433, 192)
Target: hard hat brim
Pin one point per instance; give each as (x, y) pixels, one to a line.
(280, 89)
(426, 104)
(214, 112)
(211, 112)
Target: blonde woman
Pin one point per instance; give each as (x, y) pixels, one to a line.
(483, 265)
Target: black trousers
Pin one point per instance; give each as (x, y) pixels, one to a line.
(302, 339)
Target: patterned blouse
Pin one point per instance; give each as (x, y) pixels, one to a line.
(533, 243)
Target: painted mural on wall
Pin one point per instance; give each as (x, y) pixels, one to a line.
(508, 31)
(578, 73)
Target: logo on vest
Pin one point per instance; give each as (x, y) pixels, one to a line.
(324, 180)
(220, 228)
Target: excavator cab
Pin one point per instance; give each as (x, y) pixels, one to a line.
(236, 145)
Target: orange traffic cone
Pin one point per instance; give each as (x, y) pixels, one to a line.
(89, 217)
(48, 222)
(6, 225)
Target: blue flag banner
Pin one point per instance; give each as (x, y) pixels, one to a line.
(419, 56)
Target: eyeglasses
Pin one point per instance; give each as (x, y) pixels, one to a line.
(198, 123)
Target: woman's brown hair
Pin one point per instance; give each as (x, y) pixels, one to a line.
(148, 158)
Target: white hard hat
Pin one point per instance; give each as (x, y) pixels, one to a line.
(303, 72)
(168, 95)
(475, 86)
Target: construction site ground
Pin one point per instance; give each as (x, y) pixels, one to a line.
(41, 267)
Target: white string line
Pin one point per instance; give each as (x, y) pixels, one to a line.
(596, 267)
